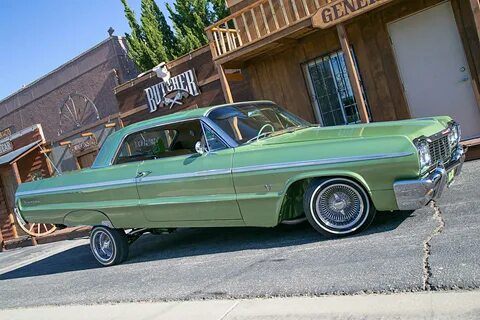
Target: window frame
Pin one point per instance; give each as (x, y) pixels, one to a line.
(314, 98)
(229, 143)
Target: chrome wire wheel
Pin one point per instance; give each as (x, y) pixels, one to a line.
(109, 246)
(337, 206)
(103, 246)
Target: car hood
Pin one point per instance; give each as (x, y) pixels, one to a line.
(409, 128)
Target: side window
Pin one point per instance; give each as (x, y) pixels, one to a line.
(214, 143)
(146, 145)
(171, 140)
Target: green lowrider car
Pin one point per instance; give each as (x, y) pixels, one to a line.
(246, 164)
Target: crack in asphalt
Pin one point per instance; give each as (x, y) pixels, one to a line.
(427, 247)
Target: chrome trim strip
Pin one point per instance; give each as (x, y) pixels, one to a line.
(77, 187)
(308, 163)
(176, 176)
(205, 173)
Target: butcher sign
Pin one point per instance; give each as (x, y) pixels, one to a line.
(172, 92)
(338, 11)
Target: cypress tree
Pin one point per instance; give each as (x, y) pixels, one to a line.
(190, 17)
(169, 39)
(219, 11)
(151, 30)
(153, 41)
(137, 48)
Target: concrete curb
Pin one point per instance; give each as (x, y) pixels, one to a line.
(65, 234)
(424, 305)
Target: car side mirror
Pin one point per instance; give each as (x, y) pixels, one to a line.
(200, 148)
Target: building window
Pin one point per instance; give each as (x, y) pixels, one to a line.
(331, 91)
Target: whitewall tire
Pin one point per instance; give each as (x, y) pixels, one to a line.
(109, 246)
(338, 206)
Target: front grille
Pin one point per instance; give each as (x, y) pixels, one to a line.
(440, 150)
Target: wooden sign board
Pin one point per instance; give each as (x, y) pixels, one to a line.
(339, 11)
(6, 132)
(6, 147)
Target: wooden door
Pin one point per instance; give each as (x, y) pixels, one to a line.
(434, 69)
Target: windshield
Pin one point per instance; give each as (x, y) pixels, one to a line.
(247, 122)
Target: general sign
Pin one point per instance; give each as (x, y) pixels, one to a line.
(173, 92)
(339, 11)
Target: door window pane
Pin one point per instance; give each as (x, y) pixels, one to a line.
(331, 90)
(214, 143)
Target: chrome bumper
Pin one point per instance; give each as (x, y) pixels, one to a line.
(415, 194)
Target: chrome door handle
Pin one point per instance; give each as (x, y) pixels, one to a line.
(142, 174)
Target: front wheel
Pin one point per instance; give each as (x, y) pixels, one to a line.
(338, 207)
(109, 246)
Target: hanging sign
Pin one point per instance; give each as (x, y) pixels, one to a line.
(339, 11)
(5, 147)
(89, 143)
(172, 92)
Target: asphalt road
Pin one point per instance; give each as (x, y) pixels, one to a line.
(434, 248)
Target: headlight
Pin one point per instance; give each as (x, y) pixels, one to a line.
(454, 135)
(424, 155)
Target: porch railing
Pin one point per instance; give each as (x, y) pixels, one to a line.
(258, 21)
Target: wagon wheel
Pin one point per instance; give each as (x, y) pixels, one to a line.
(76, 111)
(34, 229)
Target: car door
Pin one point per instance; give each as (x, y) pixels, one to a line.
(187, 188)
(112, 190)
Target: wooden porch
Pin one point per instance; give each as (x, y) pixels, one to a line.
(257, 25)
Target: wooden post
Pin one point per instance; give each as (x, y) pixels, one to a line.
(16, 173)
(225, 86)
(352, 73)
(475, 4)
(2, 244)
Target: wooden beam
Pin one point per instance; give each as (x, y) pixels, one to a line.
(225, 86)
(352, 73)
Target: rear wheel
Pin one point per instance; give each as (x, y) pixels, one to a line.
(109, 246)
(338, 206)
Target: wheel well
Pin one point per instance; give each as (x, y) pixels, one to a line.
(292, 204)
(87, 218)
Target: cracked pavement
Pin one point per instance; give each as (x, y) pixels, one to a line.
(435, 248)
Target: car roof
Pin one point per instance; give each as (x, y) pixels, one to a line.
(179, 116)
(110, 145)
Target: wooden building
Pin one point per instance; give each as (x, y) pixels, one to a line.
(191, 81)
(347, 61)
(22, 159)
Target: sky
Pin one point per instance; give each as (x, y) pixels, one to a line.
(39, 36)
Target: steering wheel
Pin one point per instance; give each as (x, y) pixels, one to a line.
(261, 133)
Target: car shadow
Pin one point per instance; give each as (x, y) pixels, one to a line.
(196, 242)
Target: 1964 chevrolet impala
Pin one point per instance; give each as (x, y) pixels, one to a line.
(246, 164)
